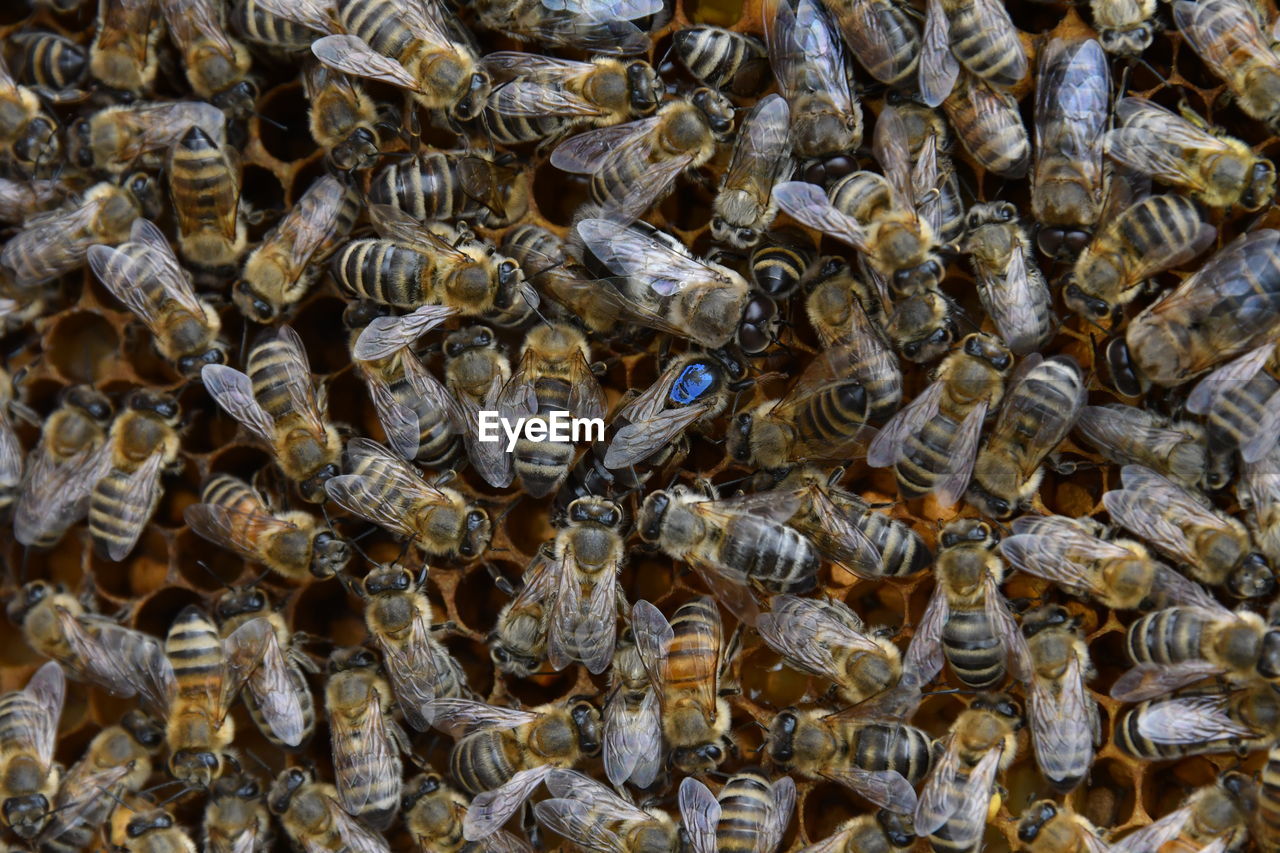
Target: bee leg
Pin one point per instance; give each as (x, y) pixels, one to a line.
(1056, 463)
(444, 627)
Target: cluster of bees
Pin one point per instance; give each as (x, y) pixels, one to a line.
(748, 251)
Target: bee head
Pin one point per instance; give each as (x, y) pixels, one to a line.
(1253, 578)
(251, 304)
(197, 767)
(422, 785)
(1121, 370)
(237, 602)
(89, 401)
(476, 532)
(144, 729)
(312, 488)
(898, 828)
(1261, 187)
(594, 510)
(28, 597)
(286, 785)
(152, 821)
(588, 725)
(644, 87)
(473, 100)
(330, 553)
(26, 815)
(652, 513)
(1034, 819)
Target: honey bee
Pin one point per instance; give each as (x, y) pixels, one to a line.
(501, 754)
(56, 66)
(143, 442)
(277, 694)
(744, 206)
(280, 271)
(827, 639)
(1153, 235)
(1011, 286)
(518, 641)
(989, 126)
(294, 544)
(311, 816)
(1216, 817)
(342, 118)
(216, 65)
(780, 260)
(1214, 168)
(278, 403)
(1256, 492)
(545, 261)
(235, 817)
(281, 28)
(117, 760)
(144, 274)
(686, 659)
(1183, 334)
(723, 59)
(882, 35)
(1215, 548)
(877, 757)
(595, 818)
(1230, 38)
(139, 135)
(398, 616)
(632, 719)
(28, 135)
(1047, 827)
(24, 200)
(1240, 405)
(56, 243)
(540, 97)
(882, 832)
(666, 287)
(433, 812)
(474, 363)
(28, 733)
(808, 58)
(11, 454)
(1267, 827)
(147, 830)
(204, 183)
(929, 142)
(749, 816)
(977, 34)
(738, 545)
(410, 44)
(1065, 726)
(596, 25)
(957, 796)
(469, 185)
(123, 54)
(389, 492)
(933, 441)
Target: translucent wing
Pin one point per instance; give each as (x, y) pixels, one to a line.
(782, 802)
(838, 535)
(1227, 34)
(576, 821)
(632, 740)
(700, 812)
(411, 665)
(1014, 295)
(1072, 95)
(632, 252)
(399, 422)
(1186, 720)
(458, 717)
(887, 447)
(239, 530)
(938, 65)
(1151, 681)
(588, 152)
(135, 504)
(385, 336)
(198, 22)
(653, 635)
(807, 54)
(299, 380)
(363, 754)
(963, 454)
(941, 795)
(313, 14)
(55, 494)
(1059, 550)
(68, 814)
(430, 21)
(353, 835)
(866, 29)
(123, 661)
(1114, 427)
(491, 809)
(489, 457)
(351, 55)
(888, 789)
(233, 391)
(970, 815)
(761, 149)
(254, 650)
(508, 64)
(1155, 835)
(809, 205)
(1159, 511)
(1062, 724)
(47, 688)
(806, 633)
(536, 98)
(924, 658)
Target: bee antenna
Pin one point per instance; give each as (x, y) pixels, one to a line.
(202, 564)
(277, 125)
(258, 759)
(178, 794)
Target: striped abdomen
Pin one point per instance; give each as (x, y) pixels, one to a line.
(512, 130)
(265, 27)
(902, 551)
(996, 54)
(361, 777)
(716, 56)
(890, 48)
(926, 455)
(1238, 412)
(835, 414)
(204, 185)
(379, 25)
(118, 511)
(427, 187)
(298, 684)
(696, 640)
(889, 746)
(774, 557)
(480, 761)
(976, 654)
(1168, 636)
(1267, 825)
(990, 127)
(194, 647)
(232, 493)
(385, 272)
(746, 802)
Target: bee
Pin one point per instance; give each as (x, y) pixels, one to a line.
(311, 816)
(278, 403)
(929, 144)
(1038, 413)
(545, 261)
(686, 659)
(117, 760)
(977, 34)
(24, 200)
(750, 814)
(882, 35)
(744, 206)
(1240, 405)
(1215, 548)
(595, 818)
(389, 492)
(433, 812)
(1214, 168)
(780, 260)
(632, 719)
(541, 97)
(1227, 720)
(282, 268)
(1218, 816)
(398, 616)
(666, 287)
(500, 754)
(989, 126)
(147, 830)
(1149, 237)
(1267, 825)
(808, 58)
(1065, 726)
(1120, 574)
(123, 54)
(139, 135)
(144, 274)
(365, 738)
(876, 756)
(933, 441)
(56, 243)
(1073, 93)
(204, 183)
(286, 28)
(278, 697)
(634, 165)
(827, 639)
(1182, 335)
(518, 641)
(968, 622)
(467, 185)
(11, 453)
(216, 65)
(882, 832)
(738, 545)
(28, 733)
(1011, 286)
(410, 44)
(342, 118)
(28, 135)
(595, 25)
(55, 65)
(730, 61)
(474, 363)
(143, 442)
(956, 797)
(1047, 827)
(1256, 493)
(235, 817)
(1230, 38)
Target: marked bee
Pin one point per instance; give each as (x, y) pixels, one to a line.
(216, 65)
(594, 817)
(977, 34)
(204, 183)
(139, 135)
(1047, 827)
(606, 26)
(28, 135)
(235, 817)
(28, 734)
(144, 274)
(147, 829)
(632, 719)
(1011, 286)
(723, 59)
(749, 815)
(466, 185)
(24, 200)
(311, 816)
(433, 813)
(882, 832)
(1241, 406)
(278, 403)
(989, 126)
(1214, 168)
(1215, 548)
(1201, 721)
(1218, 816)
(124, 50)
(1230, 38)
(744, 205)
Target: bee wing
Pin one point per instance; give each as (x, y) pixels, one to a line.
(235, 529)
(430, 21)
(137, 502)
(121, 660)
(126, 26)
(1058, 550)
(801, 630)
(459, 717)
(1264, 434)
(633, 740)
(963, 454)
(1159, 143)
(572, 785)
(762, 148)
(782, 801)
(313, 14)
(491, 809)
(384, 336)
(88, 785)
(888, 789)
(886, 449)
(433, 391)
(566, 609)
(939, 67)
(650, 429)
(1113, 427)
(575, 821)
(831, 844)
(353, 835)
(539, 97)
(807, 54)
(504, 842)
(412, 668)
(268, 678)
(312, 222)
(581, 631)
(700, 812)
(1157, 510)
(233, 391)
(1155, 835)
(838, 536)
(1015, 294)
(774, 505)
(630, 252)
(1006, 630)
(490, 458)
(298, 379)
(1071, 102)
(388, 508)
(647, 186)
(399, 422)
(586, 397)
(198, 22)
(1191, 719)
(1151, 681)
(55, 494)
(350, 55)
(509, 64)
(588, 152)
(167, 271)
(1226, 34)
(969, 818)
(653, 634)
(47, 688)
(809, 205)
(1062, 716)
(363, 753)
(924, 658)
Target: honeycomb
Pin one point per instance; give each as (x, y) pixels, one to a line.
(89, 338)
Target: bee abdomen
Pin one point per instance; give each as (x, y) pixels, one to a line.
(991, 55)
(479, 762)
(298, 683)
(890, 746)
(1165, 637)
(928, 452)
(902, 551)
(779, 559)
(1269, 801)
(745, 802)
(378, 24)
(199, 176)
(116, 511)
(975, 652)
(384, 272)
